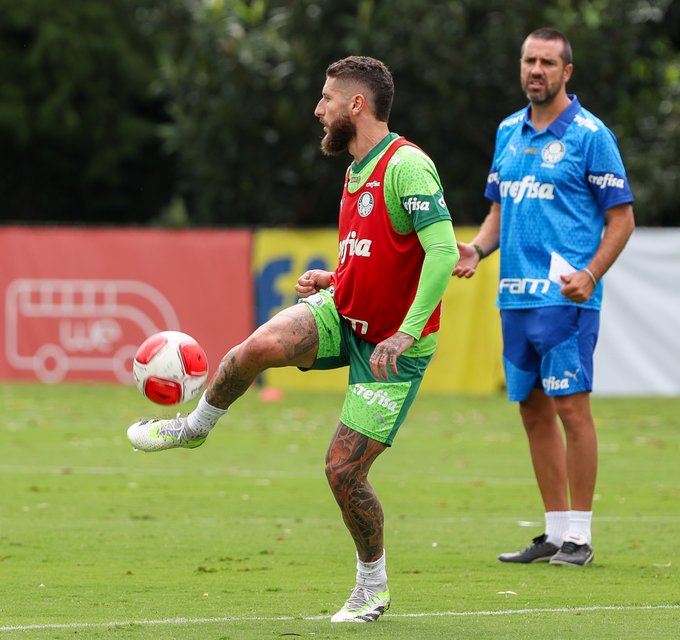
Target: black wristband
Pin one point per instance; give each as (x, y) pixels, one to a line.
(479, 251)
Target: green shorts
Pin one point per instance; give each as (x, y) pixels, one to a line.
(375, 409)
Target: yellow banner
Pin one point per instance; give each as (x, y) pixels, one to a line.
(468, 359)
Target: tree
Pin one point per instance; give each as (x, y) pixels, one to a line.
(243, 83)
(78, 123)
(200, 112)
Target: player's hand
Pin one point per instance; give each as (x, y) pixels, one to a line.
(467, 264)
(384, 357)
(311, 282)
(578, 287)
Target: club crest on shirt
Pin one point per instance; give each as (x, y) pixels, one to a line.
(365, 204)
(553, 152)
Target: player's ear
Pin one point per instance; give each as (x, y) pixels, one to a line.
(568, 70)
(358, 103)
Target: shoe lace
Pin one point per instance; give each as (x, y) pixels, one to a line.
(359, 597)
(537, 541)
(570, 547)
(175, 428)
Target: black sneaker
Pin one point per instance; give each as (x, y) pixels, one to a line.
(575, 552)
(540, 550)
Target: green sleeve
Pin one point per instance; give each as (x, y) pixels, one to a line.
(441, 255)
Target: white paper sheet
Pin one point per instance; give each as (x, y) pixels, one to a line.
(559, 267)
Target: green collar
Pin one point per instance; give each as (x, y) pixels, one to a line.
(379, 148)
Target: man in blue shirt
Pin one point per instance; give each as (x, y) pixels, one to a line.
(561, 213)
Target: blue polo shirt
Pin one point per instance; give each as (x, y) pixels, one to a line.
(553, 187)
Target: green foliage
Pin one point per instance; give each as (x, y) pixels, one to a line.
(77, 123)
(242, 539)
(243, 87)
(134, 110)
(234, 84)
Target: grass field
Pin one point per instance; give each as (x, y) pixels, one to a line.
(241, 538)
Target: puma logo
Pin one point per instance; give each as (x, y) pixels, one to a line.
(573, 376)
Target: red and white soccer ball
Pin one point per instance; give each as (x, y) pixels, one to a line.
(170, 367)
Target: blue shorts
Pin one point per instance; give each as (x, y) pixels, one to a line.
(550, 348)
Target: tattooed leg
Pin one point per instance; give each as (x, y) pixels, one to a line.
(290, 338)
(348, 460)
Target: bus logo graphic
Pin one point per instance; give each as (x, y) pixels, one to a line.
(57, 326)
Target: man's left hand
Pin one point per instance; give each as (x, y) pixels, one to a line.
(384, 357)
(578, 287)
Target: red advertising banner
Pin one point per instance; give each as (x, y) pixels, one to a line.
(78, 302)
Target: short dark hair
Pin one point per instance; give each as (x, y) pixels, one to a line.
(547, 33)
(371, 73)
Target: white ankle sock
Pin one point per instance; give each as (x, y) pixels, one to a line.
(556, 525)
(580, 523)
(372, 574)
(204, 417)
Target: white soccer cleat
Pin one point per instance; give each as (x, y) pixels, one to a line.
(156, 435)
(365, 604)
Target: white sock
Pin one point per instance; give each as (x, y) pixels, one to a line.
(204, 417)
(372, 574)
(580, 523)
(556, 525)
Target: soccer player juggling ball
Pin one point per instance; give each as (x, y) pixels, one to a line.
(377, 313)
(561, 213)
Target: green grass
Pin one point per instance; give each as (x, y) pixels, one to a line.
(242, 539)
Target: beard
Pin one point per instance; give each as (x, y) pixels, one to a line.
(546, 97)
(340, 134)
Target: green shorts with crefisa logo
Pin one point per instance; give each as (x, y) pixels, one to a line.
(375, 409)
